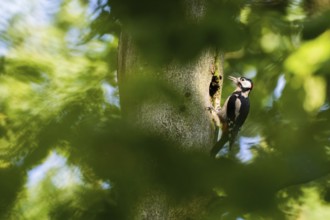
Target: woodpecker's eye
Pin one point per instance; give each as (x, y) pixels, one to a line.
(242, 79)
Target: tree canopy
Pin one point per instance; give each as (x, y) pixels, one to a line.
(67, 153)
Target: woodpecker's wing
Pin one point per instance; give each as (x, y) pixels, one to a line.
(243, 110)
(237, 111)
(231, 109)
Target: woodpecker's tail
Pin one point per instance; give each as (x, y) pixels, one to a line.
(219, 145)
(232, 134)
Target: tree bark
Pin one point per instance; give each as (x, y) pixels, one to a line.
(186, 122)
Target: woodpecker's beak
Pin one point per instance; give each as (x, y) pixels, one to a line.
(234, 79)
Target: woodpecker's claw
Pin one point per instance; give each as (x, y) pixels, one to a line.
(211, 108)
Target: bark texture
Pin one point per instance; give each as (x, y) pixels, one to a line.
(185, 121)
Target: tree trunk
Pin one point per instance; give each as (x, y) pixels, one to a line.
(186, 121)
(189, 123)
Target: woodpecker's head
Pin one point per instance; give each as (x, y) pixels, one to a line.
(243, 84)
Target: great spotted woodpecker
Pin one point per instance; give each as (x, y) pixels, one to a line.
(233, 113)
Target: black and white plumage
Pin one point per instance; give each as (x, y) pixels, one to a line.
(234, 113)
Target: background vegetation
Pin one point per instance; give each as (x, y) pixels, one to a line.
(66, 153)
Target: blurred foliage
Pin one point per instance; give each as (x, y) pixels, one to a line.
(65, 152)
